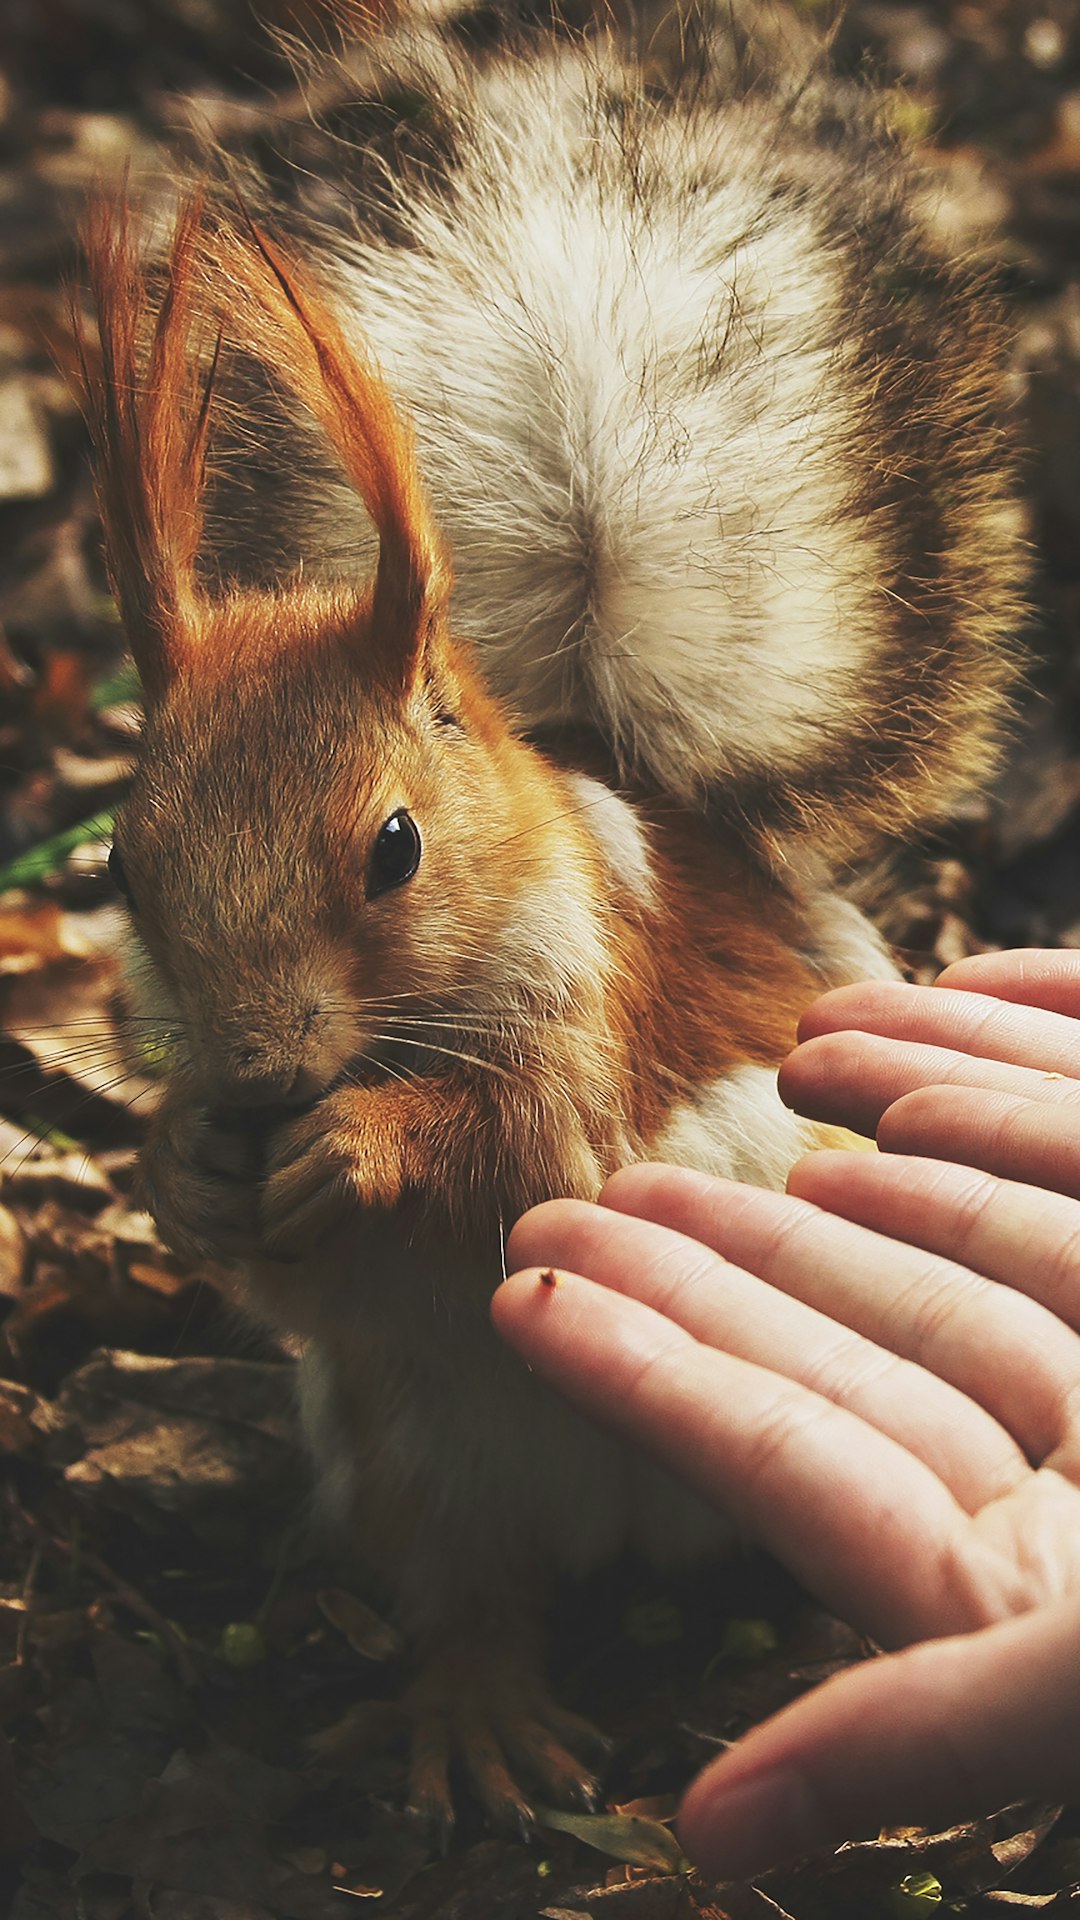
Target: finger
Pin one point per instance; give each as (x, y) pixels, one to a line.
(795, 1331)
(962, 1329)
(863, 1524)
(1018, 1235)
(1002, 1133)
(972, 1023)
(850, 1078)
(1034, 977)
(926, 1737)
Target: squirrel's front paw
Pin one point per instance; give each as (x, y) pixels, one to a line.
(200, 1179)
(334, 1160)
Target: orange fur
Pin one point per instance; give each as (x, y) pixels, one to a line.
(149, 414)
(149, 407)
(290, 327)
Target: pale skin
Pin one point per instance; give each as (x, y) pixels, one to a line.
(878, 1373)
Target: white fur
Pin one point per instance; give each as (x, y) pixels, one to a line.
(617, 830)
(737, 1128)
(839, 942)
(631, 414)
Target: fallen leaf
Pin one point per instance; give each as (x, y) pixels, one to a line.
(366, 1632)
(207, 1440)
(20, 1432)
(26, 463)
(31, 868)
(30, 935)
(73, 1179)
(12, 1253)
(629, 1837)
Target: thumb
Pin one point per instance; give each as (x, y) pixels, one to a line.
(938, 1733)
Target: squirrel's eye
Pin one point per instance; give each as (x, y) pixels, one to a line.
(119, 876)
(396, 853)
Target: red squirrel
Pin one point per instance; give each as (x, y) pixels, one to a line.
(454, 897)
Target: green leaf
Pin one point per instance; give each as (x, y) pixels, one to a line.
(365, 1630)
(916, 1897)
(119, 689)
(749, 1639)
(622, 1836)
(242, 1645)
(743, 1639)
(31, 868)
(51, 1136)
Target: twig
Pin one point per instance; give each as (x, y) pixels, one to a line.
(27, 1596)
(122, 1590)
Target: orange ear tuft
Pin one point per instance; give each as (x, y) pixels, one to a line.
(290, 326)
(148, 410)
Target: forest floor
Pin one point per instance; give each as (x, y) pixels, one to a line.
(168, 1631)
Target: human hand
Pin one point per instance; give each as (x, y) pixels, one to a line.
(888, 1400)
(982, 1068)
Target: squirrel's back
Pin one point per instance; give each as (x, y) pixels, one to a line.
(712, 424)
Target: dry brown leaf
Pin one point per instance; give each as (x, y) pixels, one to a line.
(210, 1441)
(21, 1424)
(68, 1179)
(63, 1015)
(31, 936)
(12, 1253)
(366, 1632)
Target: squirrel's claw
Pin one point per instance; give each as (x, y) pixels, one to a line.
(489, 1717)
(495, 1717)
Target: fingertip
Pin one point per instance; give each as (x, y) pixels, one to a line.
(819, 1173)
(818, 1017)
(1047, 977)
(971, 970)
(633, 1187)
(542, 1226)
(647, 1189)
(850, 1006)
(926, 1120)
(806, 1073)
(735, 1827)
(523, 1294)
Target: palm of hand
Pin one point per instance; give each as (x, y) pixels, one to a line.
(910, 1447)
(879, 1372)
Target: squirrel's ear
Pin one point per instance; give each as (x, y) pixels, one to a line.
(288, 324)
(147, 399)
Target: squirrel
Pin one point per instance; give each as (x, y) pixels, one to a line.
(466, 876)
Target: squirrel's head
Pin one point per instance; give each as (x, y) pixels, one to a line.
(331, 828)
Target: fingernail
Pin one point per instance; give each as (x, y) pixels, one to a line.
(732, 1832)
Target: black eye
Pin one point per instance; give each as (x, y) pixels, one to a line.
(396, 853)
(119, 877)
